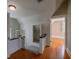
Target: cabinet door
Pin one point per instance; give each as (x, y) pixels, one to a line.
(13, 28)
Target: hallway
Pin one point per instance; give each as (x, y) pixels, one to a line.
(55, 51)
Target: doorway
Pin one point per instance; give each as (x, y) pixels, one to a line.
(57, 27)
(57, 35)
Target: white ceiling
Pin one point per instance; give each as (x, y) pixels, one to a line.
(27, 8)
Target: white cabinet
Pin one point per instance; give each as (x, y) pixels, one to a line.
(42, 45)
(13, 28)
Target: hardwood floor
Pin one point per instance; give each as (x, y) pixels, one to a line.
(67, 56)
(55, 51)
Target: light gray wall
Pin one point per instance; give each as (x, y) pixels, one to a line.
(68, 28)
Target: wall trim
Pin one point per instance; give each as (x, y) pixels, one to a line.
(58, 36)
(57, 19)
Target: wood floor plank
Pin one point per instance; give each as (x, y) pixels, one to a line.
(55, 51)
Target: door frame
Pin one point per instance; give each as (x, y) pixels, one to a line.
(60, 16)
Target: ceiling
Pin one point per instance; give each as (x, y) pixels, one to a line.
(62, 10)
(27, 8)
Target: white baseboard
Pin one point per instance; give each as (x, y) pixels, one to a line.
(68, 52)
(58, 36)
